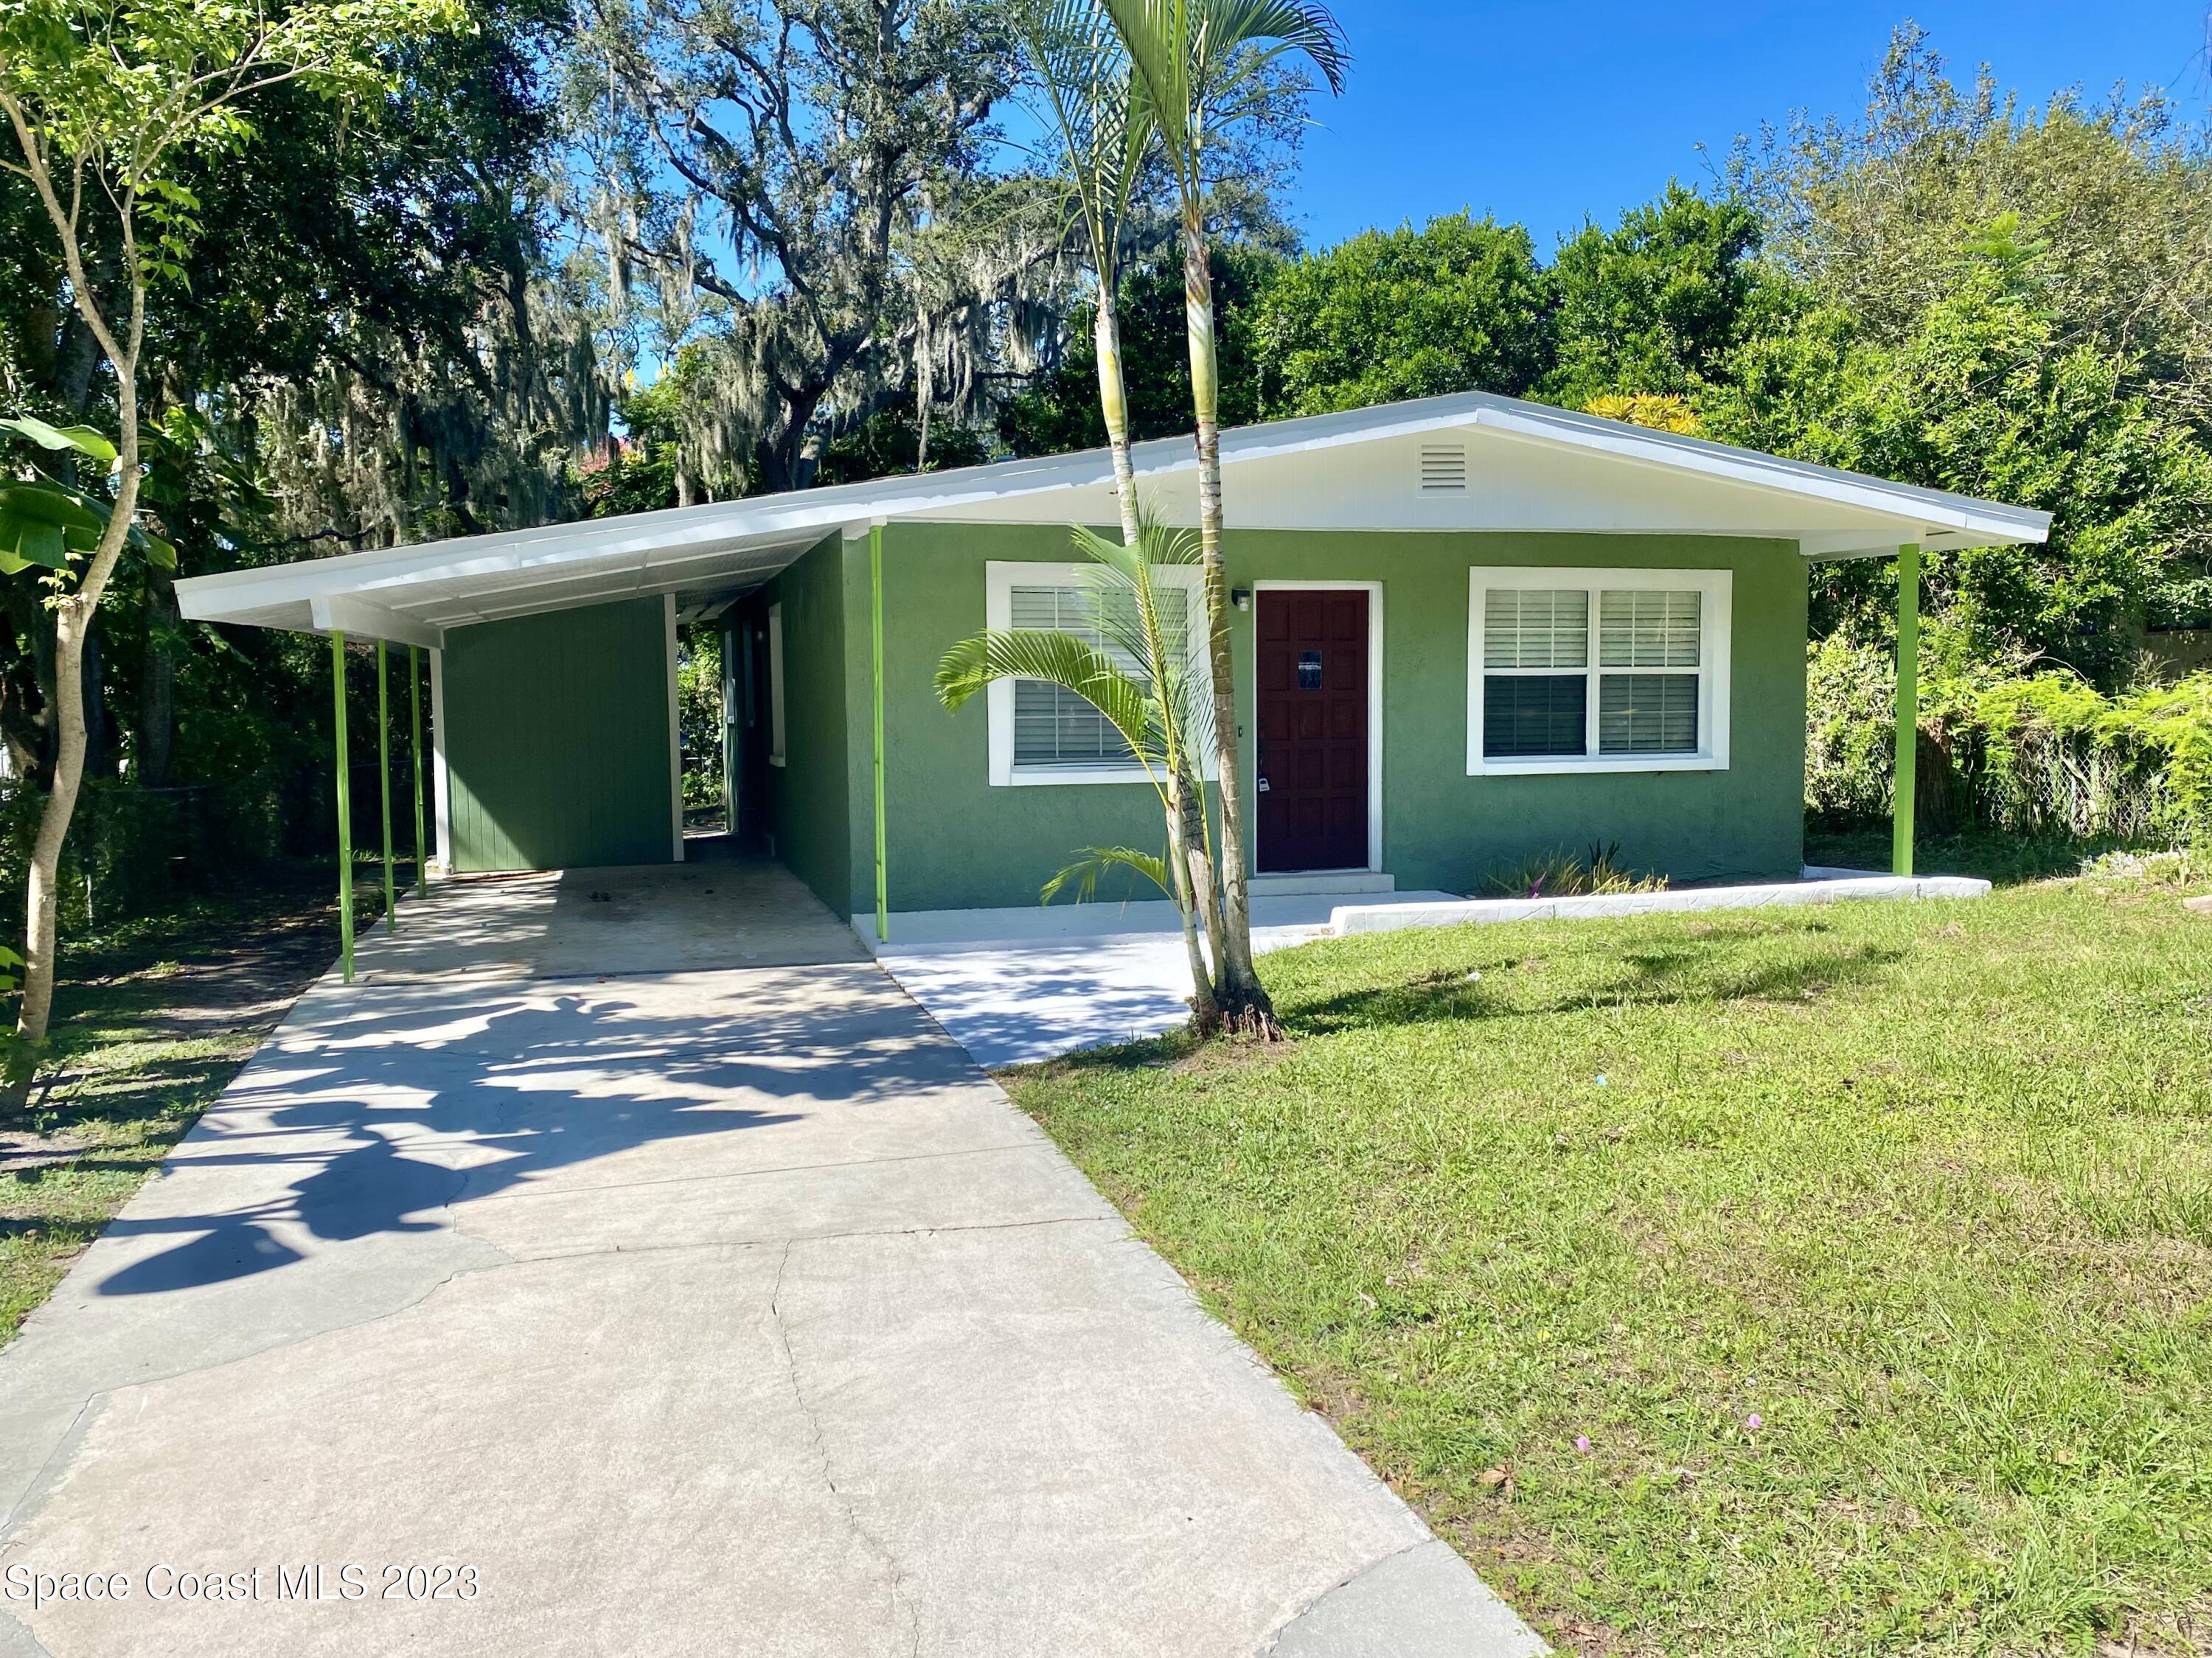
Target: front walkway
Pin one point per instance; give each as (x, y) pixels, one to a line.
(657, 1278)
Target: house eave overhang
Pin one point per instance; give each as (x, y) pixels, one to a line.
(706, 554)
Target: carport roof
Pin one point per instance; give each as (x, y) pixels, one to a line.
(1472, 461)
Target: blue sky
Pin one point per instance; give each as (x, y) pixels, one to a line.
(1543, 112)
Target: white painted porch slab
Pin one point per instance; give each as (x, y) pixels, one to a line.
(1016, 985)
(914, 931)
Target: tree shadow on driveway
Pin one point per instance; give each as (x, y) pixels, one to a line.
(369, 1120)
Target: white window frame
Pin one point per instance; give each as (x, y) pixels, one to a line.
(1714, 692)
(1000, 580)
(775, 684)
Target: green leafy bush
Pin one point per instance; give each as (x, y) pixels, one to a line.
(2029, 753)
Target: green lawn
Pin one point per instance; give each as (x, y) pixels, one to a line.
(153, 1018)
(1820, 1281)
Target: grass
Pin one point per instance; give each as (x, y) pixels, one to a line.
(153, 1017)
(1820, 1281)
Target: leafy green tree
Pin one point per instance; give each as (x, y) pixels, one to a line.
(1655, 306)
(1457, 305)
(1988, 394)
(804, 183)
(1870, 213)
(104, 107)
(1061, 412)
(889, 442)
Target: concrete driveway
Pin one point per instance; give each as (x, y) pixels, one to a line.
(625, 1265)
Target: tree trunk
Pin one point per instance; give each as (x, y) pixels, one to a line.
(1193, 881)
(157, 682)
(73, 618)
(71, 623)
(1245, 1007)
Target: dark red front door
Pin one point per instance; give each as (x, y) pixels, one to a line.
(1313, 730)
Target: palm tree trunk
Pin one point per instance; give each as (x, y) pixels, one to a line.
(1245, 1007)
(1193, 884)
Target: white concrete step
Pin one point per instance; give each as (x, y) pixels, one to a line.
(1308, 883)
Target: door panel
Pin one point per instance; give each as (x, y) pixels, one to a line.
(1312, 656)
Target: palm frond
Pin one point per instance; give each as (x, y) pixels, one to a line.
(1057, 658)
(1188, 54)
(1083, 874)
(1131, 618)
(1278, 27)
(1157, 36)
(1105, 122)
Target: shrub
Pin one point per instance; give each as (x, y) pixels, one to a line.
(1562, 874)
(2028, 753)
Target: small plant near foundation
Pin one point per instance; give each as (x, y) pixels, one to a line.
(1563, 874)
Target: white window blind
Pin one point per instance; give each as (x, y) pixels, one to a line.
(1053, 726)
(1648, 629)
(1647, 714)
(1536, 627)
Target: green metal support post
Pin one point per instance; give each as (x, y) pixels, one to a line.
(345, 813)
(876, 603)
(1908, 707)
(415, 694)
(384, 784)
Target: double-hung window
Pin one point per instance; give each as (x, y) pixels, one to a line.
(1597, 670)
(1043, 734)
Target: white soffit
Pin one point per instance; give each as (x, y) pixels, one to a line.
(1525, 467)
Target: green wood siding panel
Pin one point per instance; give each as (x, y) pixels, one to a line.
(812, 804)
(556, 739)
(955, 842)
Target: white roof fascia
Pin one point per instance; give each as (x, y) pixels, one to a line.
(341, 614)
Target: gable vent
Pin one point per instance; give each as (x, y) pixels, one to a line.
(1443, 469)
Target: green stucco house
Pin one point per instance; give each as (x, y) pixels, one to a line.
(1466, 628)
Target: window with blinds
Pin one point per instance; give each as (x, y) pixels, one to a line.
(1054, 728)
(1529, 708)
(1649, 712)
(1550, 691)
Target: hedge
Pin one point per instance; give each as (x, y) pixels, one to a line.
(2035, 753)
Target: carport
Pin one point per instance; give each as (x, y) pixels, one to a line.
(551, 662)
(551, 659)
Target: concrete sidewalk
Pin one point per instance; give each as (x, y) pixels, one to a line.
(705, 1311)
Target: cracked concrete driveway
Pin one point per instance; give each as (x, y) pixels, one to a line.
(623, 1265)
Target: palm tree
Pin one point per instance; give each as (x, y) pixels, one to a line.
(1106, 132)
(1193, 64)
(1142, 685)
